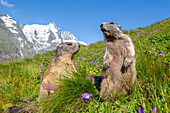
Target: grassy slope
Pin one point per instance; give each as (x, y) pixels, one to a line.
(20, 80)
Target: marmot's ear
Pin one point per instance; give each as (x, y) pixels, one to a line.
(119, 26)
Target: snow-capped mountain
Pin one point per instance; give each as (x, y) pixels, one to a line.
(22, 41)
(66, 35)
(47, 37)
(43, 37)
(13, 43)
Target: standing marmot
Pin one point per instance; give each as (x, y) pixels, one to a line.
(60, 65)
(119, 61)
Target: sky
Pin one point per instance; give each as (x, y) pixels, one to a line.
(83, 17)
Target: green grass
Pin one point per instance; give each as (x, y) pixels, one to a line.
(20, 80)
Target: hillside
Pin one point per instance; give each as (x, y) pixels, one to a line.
(155, 38)
(19, 81)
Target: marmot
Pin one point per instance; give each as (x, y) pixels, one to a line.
(119, 61)
(59, 66)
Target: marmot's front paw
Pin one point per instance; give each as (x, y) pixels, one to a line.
(106, 65)
(127, 63)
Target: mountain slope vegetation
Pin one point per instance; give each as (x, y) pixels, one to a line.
(20, 80)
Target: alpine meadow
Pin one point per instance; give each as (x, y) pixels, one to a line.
(20, 80)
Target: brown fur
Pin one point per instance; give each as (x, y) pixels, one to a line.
(59, 66)
(119, 61)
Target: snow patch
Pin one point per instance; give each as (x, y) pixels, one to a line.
(9, 22)
(13, 31)
(21, 53)
(82, 42)
(20, 39)
(70, 41)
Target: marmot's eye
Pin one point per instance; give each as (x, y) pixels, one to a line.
(111, 22)
(70, 44)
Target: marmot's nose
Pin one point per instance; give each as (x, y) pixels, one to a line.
(102, 28)
(101, 25)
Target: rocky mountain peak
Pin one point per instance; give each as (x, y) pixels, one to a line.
(28, 40)
(13, 43)
(1, 15)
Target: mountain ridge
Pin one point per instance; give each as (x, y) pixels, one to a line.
(13, 43)
(22, 41)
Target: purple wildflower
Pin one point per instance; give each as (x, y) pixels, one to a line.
(141, 34)
(154, 108)
(141, 110)
(147, 32)
(74, 63)
(151, 84)
(153, 53)
(41, 64)
(93, 62)
(86, 95)
(51, 57)
(38, 73)
(102, 57)
(98, 67)
(97, 50)
(137, 36)
(45, 57)
(160, 53)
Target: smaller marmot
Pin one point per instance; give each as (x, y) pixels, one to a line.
(61, 65)
(119, 61)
